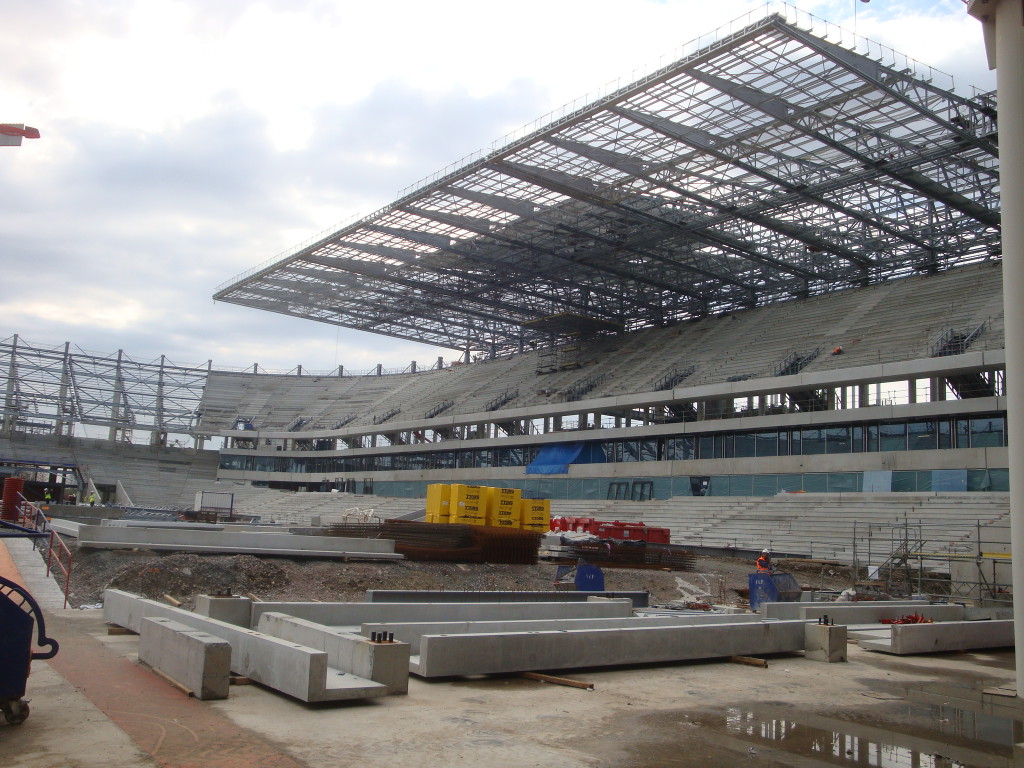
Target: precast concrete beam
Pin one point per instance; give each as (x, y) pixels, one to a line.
(235, 542)
(475, 654)
(907, 639)
(384, 663)
(357, 614)
(292, 669)
(870, 613)
(413, 632)
(640, 599)
(196, 660)
(864, 613)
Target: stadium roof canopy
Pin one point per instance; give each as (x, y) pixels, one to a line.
(770, 163)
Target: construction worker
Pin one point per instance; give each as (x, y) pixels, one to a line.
(47, 496)
(764, 562)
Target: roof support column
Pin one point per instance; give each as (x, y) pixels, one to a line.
(1003, 24)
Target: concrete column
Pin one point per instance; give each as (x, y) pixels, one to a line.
(1003, 25)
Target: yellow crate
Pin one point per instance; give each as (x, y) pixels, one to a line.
(537, 511)
(438, 502)
(537, 506)
(470, 493)
(473, 519)
(505, 522)
(499, 518)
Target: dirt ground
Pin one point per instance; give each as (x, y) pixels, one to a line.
(183, 576)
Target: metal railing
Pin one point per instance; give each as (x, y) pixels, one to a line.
(63, 561)
(30, 515)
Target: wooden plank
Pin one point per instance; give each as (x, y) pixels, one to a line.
(557, 680)
(750, 661)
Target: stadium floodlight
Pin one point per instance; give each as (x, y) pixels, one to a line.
(11, 134)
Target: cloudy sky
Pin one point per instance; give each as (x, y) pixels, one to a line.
(186, 141)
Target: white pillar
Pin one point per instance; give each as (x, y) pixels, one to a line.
(1003, 23)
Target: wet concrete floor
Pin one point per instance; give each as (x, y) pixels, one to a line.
(874, 710)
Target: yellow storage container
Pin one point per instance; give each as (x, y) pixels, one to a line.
(504, 503)
(468, 501)
(537, 511)
(504, 511)
(438, 502)
(470, 493)
(469, 518)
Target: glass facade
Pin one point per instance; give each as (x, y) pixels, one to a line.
(916, 435)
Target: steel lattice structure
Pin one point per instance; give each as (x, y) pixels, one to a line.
(769, 164)
(50, 389)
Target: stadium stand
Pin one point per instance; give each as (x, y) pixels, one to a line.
(900, 320)
(707, 278)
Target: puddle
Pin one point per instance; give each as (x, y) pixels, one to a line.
(891, 735)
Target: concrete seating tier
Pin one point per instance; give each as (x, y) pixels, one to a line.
(824, 526)
(898, 320)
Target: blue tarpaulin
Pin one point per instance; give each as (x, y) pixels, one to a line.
(555, 459)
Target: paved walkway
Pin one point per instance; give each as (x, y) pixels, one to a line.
(20, 562)
(125, 699)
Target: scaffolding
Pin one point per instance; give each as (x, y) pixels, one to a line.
(54, 390)
(905, 559)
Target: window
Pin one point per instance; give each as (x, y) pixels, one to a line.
(945, 435)
(922, 436)
(680, 448)
(627, 450)
(987, 433)
(744, 445)
(858, 439)
(766, 443)
(648, 450)
(892, 437)
(707, 447)
(812, 441)
(837, 440)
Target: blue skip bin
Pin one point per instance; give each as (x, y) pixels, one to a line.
(772, 588)
(19, 614)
